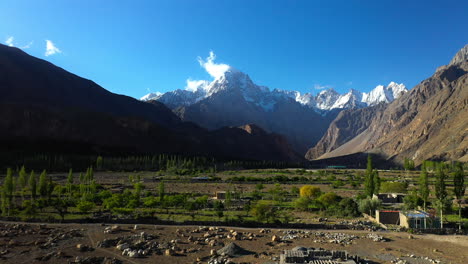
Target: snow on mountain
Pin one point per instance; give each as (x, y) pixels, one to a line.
(384, 94)
(352, 99)
(326, 99)
(229, 79)
(264, 97)
(151, 96)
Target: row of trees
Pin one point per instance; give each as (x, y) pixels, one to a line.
(441, 174)
(180, 164)
(38, 193)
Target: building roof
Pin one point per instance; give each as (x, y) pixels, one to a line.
(417, 214)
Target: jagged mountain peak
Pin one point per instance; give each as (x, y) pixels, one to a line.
(328, 91)
(383, 93)
(151, 96)
(233, 81)
(461, 56)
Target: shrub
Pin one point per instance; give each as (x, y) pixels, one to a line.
(393, 187)
(85, 206)
(309, 191)
(369, 205)
(328, 199)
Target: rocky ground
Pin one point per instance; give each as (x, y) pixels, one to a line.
(96, 243)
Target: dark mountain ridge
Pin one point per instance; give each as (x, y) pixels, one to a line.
(45, 106)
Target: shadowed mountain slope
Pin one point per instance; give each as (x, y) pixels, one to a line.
(44, 108)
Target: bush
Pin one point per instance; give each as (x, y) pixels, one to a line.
(123, 211)
(349, 208)
(393, 187)
(85, 206)
(328, 199)
(368, 206)
(309, 191)
(412, 202)
(302, 203)
(264, 211)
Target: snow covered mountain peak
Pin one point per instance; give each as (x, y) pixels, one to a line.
(384, 93)
(227, 79)
(151, 96)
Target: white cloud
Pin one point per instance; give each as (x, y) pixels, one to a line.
(27, 46)
(214, 69)
(349, 83)
(193, 85)
(51, 49)
(321, 87)
(9, 41)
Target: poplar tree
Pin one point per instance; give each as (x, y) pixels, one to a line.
(22, 178)
(440, 190)
(424, 185)
(32, 185)
(70, 182)
(369, 184)
(43, 184)
(377, 182)
(8, 188)
(459, 186)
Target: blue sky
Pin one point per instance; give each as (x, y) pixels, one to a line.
(132, 47)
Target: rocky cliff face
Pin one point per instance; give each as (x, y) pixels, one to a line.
(347, 125)
(428, 122)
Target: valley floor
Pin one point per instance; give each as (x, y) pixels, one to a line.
(57, 243)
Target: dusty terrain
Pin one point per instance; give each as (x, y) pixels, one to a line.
(57, 243)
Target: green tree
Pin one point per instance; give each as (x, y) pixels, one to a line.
(161, 191)
(328, 199)
(377, 182)
(412, 201)
(22, 181)
(85, 206)
(70, 182)
(369, 205)
(369, 183)
(32, 185)
(43, 190)
(99, 162)
(424, 186)
(348, 208)
(8, 188)
(440, 187)
(264, 211)
(408, 164)
(309, 191)
(61, 206)
(393, 187)
(459, 186)
(302, 203)
(441, 190)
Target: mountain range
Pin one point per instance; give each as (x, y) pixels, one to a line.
(428, 122)
(234, 99)
(44, 108)
(263, 97)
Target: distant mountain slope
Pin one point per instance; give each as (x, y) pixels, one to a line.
(44, 108)
(429, 122)
(347, 125)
